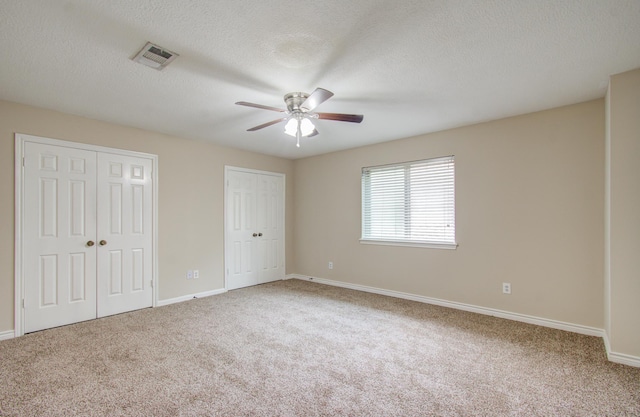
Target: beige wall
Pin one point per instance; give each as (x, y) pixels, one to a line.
(190, 192)
(623, 214)
(529, 211)
(529, 195)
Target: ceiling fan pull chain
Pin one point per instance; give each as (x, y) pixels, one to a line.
(298, 134)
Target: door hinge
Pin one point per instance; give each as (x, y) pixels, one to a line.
(227, 271)
(151, 283)
(23, 161)
(23, 303)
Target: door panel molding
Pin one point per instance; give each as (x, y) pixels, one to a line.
(76, 166)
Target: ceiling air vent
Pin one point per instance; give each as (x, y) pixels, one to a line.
(155, 56)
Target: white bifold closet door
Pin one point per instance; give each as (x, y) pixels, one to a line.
(87, 235)
(254, 249)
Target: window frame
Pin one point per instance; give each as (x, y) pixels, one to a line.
(405, 241)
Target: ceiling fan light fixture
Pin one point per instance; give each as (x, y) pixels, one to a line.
(291, 127)
(304, 124)
(306, 127)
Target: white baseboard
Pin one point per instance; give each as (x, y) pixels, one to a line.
(620, 357)
(9, 334)
(623, 359)
(539, 321)
(168, 301)
(554, 324)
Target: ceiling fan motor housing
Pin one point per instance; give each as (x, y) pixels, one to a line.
(294, 100)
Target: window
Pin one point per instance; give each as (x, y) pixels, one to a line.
(410, 204)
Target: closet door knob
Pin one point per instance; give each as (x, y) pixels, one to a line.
(259, 234)
(103, 242)
(255, 235)
(90, 243)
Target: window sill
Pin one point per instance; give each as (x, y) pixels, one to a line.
(430, 245)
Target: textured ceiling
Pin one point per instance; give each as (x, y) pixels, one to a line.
(410, 67)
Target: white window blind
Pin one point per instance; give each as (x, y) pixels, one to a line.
(412, 202)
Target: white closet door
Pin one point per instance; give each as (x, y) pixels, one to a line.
(86, 234)
(254, 228)
(242, 245)
(270, 221)
(125, 236)
(59, 263)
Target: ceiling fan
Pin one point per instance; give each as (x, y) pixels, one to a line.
(299, 113)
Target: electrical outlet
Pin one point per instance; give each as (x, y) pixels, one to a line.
(506, 288)
(190, 274)
(196, 274)
(330, 265)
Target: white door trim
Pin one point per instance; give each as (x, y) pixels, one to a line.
(20, 140)
(228, 168)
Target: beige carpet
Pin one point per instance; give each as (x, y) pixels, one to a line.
(295, 348)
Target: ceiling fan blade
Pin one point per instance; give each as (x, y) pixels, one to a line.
(273, 122)
(341, 117)
(259, 106)
(319, 96)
